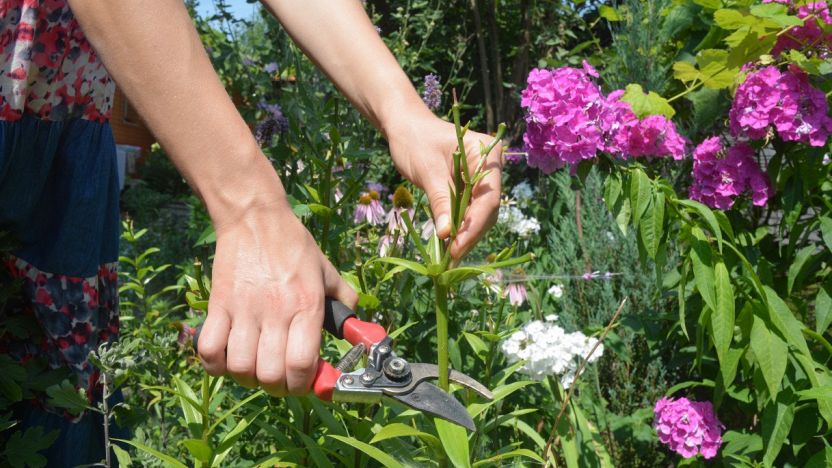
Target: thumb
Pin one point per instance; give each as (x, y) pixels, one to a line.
(337, 288)
(440, 204)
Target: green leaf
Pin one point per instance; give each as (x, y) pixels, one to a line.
(189, 403)
(819, 377)
(822, 459)
(714, 68)
(722, 318)
(22, 447)
(771, 353)
(123, 456)
(777, 422)
(208, 236)
(703, 270)
(169, 460)
(816, 393)
(640, 189)
(477, 344)
(652, 226)
(227, 442)
(709, 4)
(455, 440)
(499, 393)
(371, 451)
(823, 308)
(510, 454)
(803, 260)
(198, 449)
(393, 430)
(645, 104)
(729, 19)
(826, 231)
(65, 395)
(708, 105)
(783, 319)
(609, 13)
(685, 72)
(708, 216)
(408, 264)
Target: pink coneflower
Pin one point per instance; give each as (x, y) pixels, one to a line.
(402, 201)
(388, 242)
(369, 209)
(516, 289)
(427, 229)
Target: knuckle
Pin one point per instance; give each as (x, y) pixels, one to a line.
(242, 367)
(302, 366)
(271, 379)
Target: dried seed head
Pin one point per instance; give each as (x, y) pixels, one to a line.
(402, 198)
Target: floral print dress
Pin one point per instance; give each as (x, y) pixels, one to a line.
(59, 202)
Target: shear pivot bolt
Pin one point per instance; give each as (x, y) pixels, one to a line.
(367, 377)
(383, 349)
(396, 368)
(347, 380)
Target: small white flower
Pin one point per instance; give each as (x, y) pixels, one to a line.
(551, 317)
(610, 235)
(526, 227)
(523, 193)
(826, 159)
(556, 291)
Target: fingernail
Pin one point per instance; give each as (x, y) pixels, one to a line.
(442, 222)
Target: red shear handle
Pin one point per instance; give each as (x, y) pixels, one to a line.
(325, 379)
(357, 331)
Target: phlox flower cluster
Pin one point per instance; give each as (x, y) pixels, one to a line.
(274, 123)
(569, 119)
(720, 176)
(523, 193)
(810, 35)
(785, 101)
(688, 427)
(547, 349)
(432, 93)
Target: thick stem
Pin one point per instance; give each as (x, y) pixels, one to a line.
(484, 71)
(105, 409)
(442, 333)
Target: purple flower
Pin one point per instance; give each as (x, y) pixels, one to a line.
(810, 35)
(785, 101)
(720, 176)
(270, 68)
(688, 427)
(369, 209)
(432, 93)
(388, 242)
(275, 122)
(515, 155)
(248, 62)
(568, 120)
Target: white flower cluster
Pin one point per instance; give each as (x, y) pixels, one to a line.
(523, 193)
(512, 217)
(548, 350)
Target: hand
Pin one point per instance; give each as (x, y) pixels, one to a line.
(266, 308)
(422, 148)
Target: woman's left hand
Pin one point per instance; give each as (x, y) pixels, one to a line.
(422, 146)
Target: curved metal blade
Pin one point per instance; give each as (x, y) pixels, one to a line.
(422, 371)
(429, 398)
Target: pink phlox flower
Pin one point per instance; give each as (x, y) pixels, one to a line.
(784, 100)
(720, 176)
(655, 136)
(369, 209)
(688, 427)
(809, 35)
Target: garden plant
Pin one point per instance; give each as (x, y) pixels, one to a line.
(656, 291)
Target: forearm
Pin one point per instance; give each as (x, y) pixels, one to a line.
(153, 52)
(339, 37)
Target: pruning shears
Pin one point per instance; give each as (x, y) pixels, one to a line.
(386, 376)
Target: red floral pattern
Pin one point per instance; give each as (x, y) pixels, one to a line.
(76, 315)
(48, 68)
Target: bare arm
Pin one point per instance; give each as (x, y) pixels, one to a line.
(155, 56)
(341, 40)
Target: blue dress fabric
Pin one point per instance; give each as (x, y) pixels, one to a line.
(59, 200)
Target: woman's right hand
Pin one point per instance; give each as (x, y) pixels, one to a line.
(265, 312)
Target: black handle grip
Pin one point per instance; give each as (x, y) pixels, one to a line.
(335, 314)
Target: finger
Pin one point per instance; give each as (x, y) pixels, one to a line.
(483, 210)
(303, 344)
(440, 204)
(271, 356)
(241, 359)
(337, 288)
(213, 339)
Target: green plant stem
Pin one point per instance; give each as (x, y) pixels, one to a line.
(442, 333)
